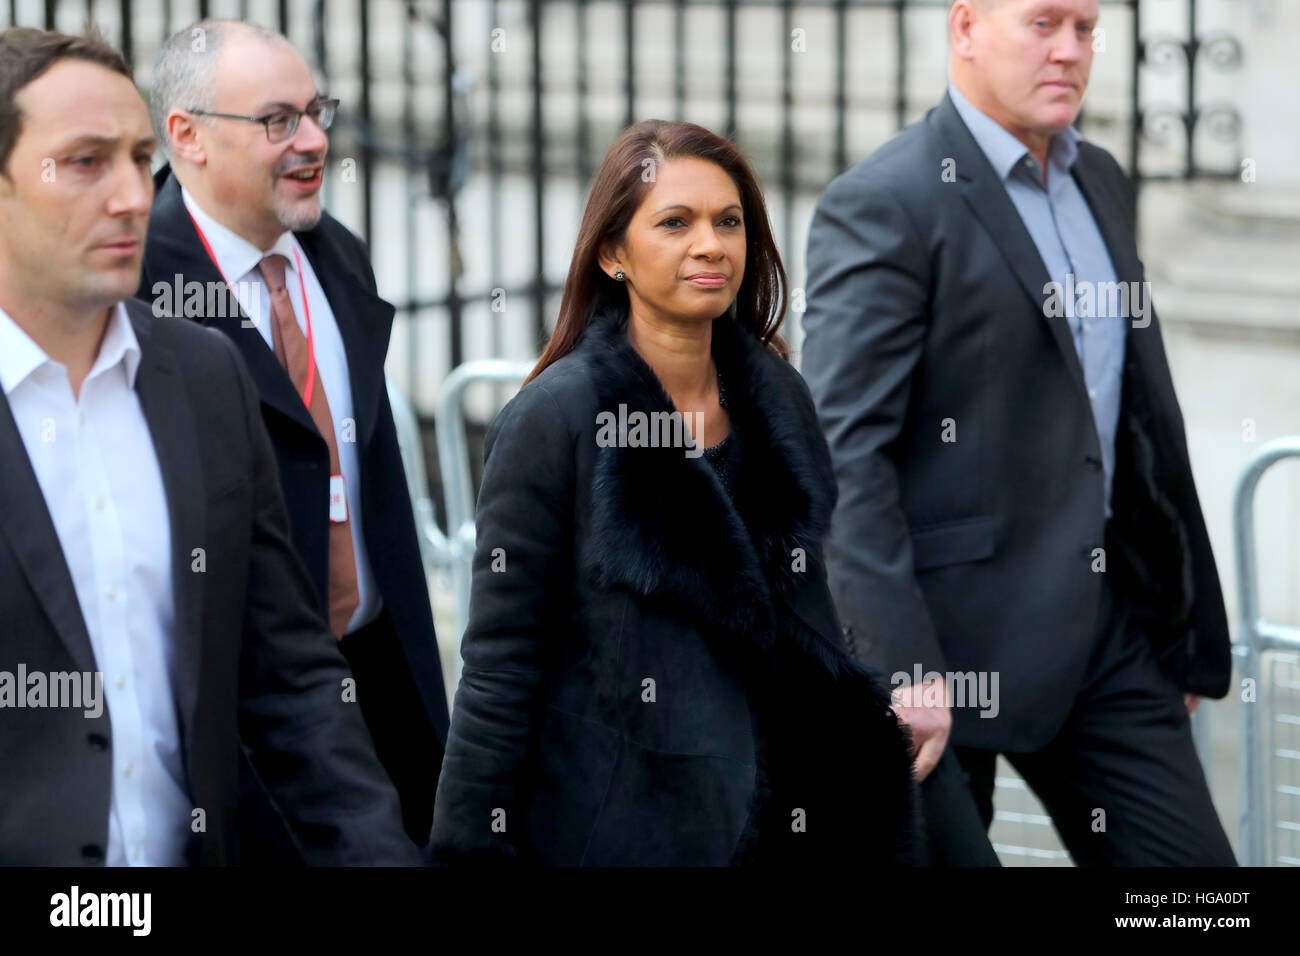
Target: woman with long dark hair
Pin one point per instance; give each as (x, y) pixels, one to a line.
(654, 671)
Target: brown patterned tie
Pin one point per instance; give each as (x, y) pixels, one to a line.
(291, 349)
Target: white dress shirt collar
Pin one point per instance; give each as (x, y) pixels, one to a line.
(235, 255)
(20, 356)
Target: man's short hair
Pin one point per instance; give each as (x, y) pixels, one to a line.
(185, 72)
(25, 54)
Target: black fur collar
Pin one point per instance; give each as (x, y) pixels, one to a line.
(663, 526)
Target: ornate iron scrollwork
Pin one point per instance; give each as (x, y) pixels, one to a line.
(1194, 120)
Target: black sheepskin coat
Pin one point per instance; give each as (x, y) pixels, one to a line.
(651, 678)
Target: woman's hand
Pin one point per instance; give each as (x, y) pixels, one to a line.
(924, 708)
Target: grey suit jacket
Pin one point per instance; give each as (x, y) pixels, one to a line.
(253, 658)
(971, 489)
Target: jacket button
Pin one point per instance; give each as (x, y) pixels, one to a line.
(97, 741)
(92, 853)
(1094, 464)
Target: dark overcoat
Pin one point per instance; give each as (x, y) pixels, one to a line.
(655, 674)
(403, 650)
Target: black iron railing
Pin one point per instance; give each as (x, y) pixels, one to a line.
(494, 147)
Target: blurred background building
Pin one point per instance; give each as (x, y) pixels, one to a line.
(470, 128)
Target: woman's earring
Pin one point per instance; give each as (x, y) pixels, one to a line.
(619, 276)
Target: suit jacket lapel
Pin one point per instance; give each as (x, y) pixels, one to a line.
(364, 321)
(1147, 383)
(25, 522)
(988, 199)
(1105, 206)
(174, 254)
(171, 423)
(1117, 233)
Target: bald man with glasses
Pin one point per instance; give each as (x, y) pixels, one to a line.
(239, 211)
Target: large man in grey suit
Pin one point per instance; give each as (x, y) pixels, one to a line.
(1018, 542)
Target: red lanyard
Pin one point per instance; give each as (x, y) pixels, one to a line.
(306, 309)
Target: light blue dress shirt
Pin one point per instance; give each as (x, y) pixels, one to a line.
(1066, 234)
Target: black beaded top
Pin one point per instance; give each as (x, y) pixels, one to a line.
(725, 455)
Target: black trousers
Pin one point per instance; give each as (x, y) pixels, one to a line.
(1121, 780)
(399, 724)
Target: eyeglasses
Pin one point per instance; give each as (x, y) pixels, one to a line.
(282, 124)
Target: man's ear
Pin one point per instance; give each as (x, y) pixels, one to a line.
(183, 136)
(960, 20)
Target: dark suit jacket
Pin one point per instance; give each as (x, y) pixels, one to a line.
(925, 303)
(624, 564)
(365, 320)
(254, 659)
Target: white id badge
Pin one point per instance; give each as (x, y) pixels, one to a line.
(338, 500)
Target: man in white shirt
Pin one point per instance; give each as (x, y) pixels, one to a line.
(152, 611)
(243, 124)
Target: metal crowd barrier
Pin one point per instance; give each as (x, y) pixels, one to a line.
(435, 550)
(1271, 810)
(453, 462)
(450, 555)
